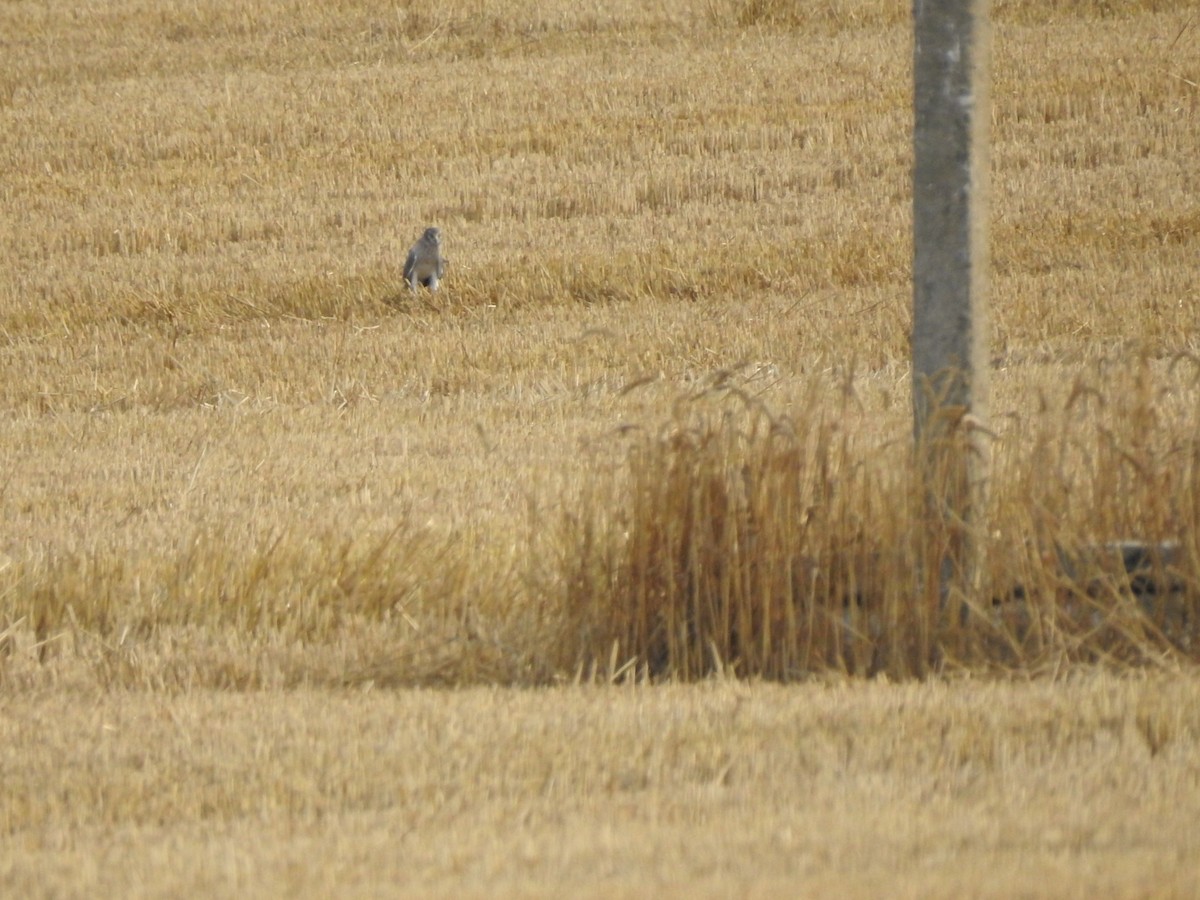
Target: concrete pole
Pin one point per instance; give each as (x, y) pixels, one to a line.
(950, 259)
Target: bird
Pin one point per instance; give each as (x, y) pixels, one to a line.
(425, 263)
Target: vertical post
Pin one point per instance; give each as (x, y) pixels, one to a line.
(950, 257)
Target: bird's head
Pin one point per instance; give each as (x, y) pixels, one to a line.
(432, 236)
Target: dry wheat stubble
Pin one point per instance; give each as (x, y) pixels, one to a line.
(208, 235)
(706, 788)
(228, 464)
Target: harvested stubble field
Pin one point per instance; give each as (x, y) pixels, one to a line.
(308, 585)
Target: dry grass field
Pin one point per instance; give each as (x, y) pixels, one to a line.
(308, 584)
(1081, 788)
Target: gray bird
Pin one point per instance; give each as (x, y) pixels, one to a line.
(425, 263)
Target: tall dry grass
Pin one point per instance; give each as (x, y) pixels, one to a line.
(657, 421)
(776, 546)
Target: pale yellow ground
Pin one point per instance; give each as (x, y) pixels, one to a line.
(1088, 787)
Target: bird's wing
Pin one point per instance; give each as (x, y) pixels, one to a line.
(409, 262)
